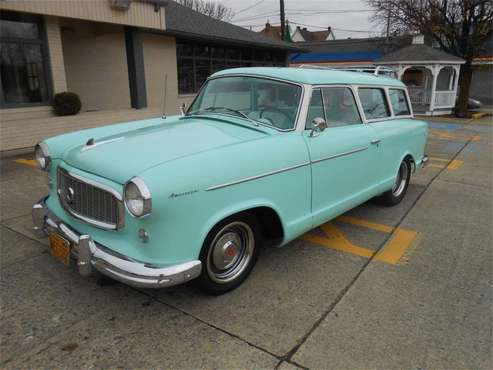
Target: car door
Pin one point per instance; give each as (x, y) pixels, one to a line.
(389, 134)
(343, 160)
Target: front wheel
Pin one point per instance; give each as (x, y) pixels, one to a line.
(399, 189)
(229, 254)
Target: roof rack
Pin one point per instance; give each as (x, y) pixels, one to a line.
(314, 66)
(375, 70)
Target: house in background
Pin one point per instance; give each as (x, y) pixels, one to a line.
(299, 34)
(303, 35)
(125, 59)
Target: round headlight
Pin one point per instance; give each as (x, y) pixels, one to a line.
(137, 198)
(42, 156)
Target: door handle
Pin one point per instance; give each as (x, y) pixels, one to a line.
(376, 141)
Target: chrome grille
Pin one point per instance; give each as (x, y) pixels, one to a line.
(88, 201)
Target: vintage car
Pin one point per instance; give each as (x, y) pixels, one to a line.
(261, 156)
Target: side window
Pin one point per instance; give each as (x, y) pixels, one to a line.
(373, 102)
(316, 109)
(340, 106)
(399, 102)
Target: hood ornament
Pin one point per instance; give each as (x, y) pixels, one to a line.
(90, 144)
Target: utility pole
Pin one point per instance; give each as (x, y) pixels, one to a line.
(387, 36)
(283, 21)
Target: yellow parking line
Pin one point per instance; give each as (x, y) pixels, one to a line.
(335, 239)
(364, 223)
(392, 251)
(29, 162)
(439, 159)
(451, 136)
(396, 246)
(455, 164)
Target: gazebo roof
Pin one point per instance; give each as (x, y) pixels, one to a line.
(419, 53)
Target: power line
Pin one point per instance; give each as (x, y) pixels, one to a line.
(334, 28)
(249, 7)
(305, 13)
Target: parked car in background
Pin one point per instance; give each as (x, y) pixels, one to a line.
(261, 156)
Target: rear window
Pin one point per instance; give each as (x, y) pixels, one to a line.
(399, 102)
(374, 103)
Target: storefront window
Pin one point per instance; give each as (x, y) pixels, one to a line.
(22, 60)
(197, 61)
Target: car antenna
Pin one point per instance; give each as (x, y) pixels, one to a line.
(163, 110)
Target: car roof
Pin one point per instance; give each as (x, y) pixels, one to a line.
(313, 76)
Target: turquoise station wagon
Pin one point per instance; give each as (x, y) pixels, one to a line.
(260, 157)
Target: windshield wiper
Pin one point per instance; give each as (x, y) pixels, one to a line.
(212, 109)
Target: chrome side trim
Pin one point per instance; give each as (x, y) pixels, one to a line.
(339, 155)
(97, 184)
(246, 179)
(215, 187)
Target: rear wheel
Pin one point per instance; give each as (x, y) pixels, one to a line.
(399, 189)
(229, 254)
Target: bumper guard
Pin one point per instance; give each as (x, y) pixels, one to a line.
(91, 255)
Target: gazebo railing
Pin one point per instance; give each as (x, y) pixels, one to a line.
(419, 95)
(445, 99)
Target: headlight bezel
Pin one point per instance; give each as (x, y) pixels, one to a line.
(45, 152)
(144, 196)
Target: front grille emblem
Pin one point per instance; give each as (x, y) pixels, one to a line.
(69, 196)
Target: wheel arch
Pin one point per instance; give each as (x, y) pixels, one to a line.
(409, 158)
(268, 216)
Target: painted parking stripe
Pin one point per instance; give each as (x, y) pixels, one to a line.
(335, 239)
(393, 250)
(364, 223)
(453, 165)
(29, 162)
(453, 136)
(396, 246)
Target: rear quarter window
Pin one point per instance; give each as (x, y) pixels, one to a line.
(399, 102)
(374, 102)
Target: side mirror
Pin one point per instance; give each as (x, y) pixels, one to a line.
(183, 108)
(319, 125)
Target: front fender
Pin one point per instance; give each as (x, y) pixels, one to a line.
(230, 210)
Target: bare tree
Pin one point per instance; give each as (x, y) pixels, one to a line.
(210, 8)
(460, 27)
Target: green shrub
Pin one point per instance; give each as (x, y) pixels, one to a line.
(66, 104)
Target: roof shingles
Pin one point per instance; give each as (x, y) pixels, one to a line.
(181, 20)
(418, 53)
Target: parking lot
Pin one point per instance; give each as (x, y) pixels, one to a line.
(402, 287)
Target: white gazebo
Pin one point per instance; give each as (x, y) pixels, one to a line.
(431, 76)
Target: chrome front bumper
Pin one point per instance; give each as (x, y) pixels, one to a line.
(91, 255)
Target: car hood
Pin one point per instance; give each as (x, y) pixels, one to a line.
(123, 156)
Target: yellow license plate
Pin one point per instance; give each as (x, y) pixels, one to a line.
(60, 248)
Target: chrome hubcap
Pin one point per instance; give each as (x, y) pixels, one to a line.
(401, 180)
(231, 252)
(226, 251)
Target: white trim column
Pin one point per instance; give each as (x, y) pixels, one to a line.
(435, 70)
(456, 82)
(400, 71)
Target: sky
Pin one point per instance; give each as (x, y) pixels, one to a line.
(344, 16)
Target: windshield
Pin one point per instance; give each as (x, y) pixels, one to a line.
(267, 102)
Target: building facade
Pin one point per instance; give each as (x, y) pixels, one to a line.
(125, 59)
